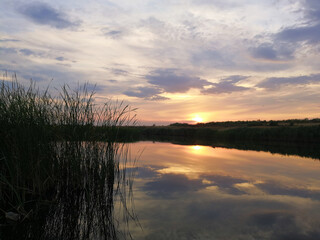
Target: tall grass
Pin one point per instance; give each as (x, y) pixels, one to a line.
(51, 152)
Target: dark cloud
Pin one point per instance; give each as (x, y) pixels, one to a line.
(6, 82)
(311, 10)
(277, 82)
(112, 81)
(225, 183)
(268, 52)
(118, 71)
(296, 235)
(277, 189)
(290, 38)
(309, 30)
(265, 52)
(158, 98)
(44, 14)
(221, 4)
(112, 33)
(309, 34)
(232, 208)
(9, 40)
(7, 50)
(27, 52)
(172, 82)
(226, 85)
(272, 219)
(61, 59)
(145, 172)
(35, 77)
(168, 184)
(282, 225)
(94, 87)
(142, 92)
(213, 58)
(148, 93)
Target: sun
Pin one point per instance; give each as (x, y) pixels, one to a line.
(197, 119)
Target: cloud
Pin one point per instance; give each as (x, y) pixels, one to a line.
(221, 4)
(309, 34)
(277, 189)
(44, 14)
(112, 81)
(277, 82)
(145, 172)
(272, 219)
(24, 51)
(61, 59)
(168, 184)
(225, 183)
(148, 93)
(27, 52)
(289, 39)
(9, 40)
(172, 82)
(115, 34)
(117, 71)
(296, 235)
(35, 77)
(282, 225)
(309, 30)
(158, 98)
(312, 10)
(226, 85)
(268, 51)
(7, 50)
(213, 58)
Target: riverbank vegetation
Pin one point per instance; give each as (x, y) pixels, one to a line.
(287, 131)
(55, 172)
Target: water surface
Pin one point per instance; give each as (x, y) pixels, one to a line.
(201, 192)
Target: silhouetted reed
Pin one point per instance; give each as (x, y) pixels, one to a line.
(54, 166)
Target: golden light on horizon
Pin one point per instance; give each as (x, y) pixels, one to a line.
(198, 150)
(196, 147)
(197, 119)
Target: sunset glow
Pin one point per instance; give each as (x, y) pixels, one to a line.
(233, 60)
(197, 119)
(196, 148)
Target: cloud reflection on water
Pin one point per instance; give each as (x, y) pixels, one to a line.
(226, 194)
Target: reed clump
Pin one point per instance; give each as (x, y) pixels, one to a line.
(51, 152)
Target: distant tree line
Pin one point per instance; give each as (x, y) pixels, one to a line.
(257, 123)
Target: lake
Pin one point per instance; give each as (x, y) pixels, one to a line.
(172, 191)
(201, 192)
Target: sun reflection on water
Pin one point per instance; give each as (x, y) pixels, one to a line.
(196, 147)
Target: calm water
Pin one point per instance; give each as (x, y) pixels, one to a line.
(181, 192)
(199, 192)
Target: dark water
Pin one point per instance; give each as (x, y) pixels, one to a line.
(198, 192)
(182, 192)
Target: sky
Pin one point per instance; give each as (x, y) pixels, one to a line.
(173, 60)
